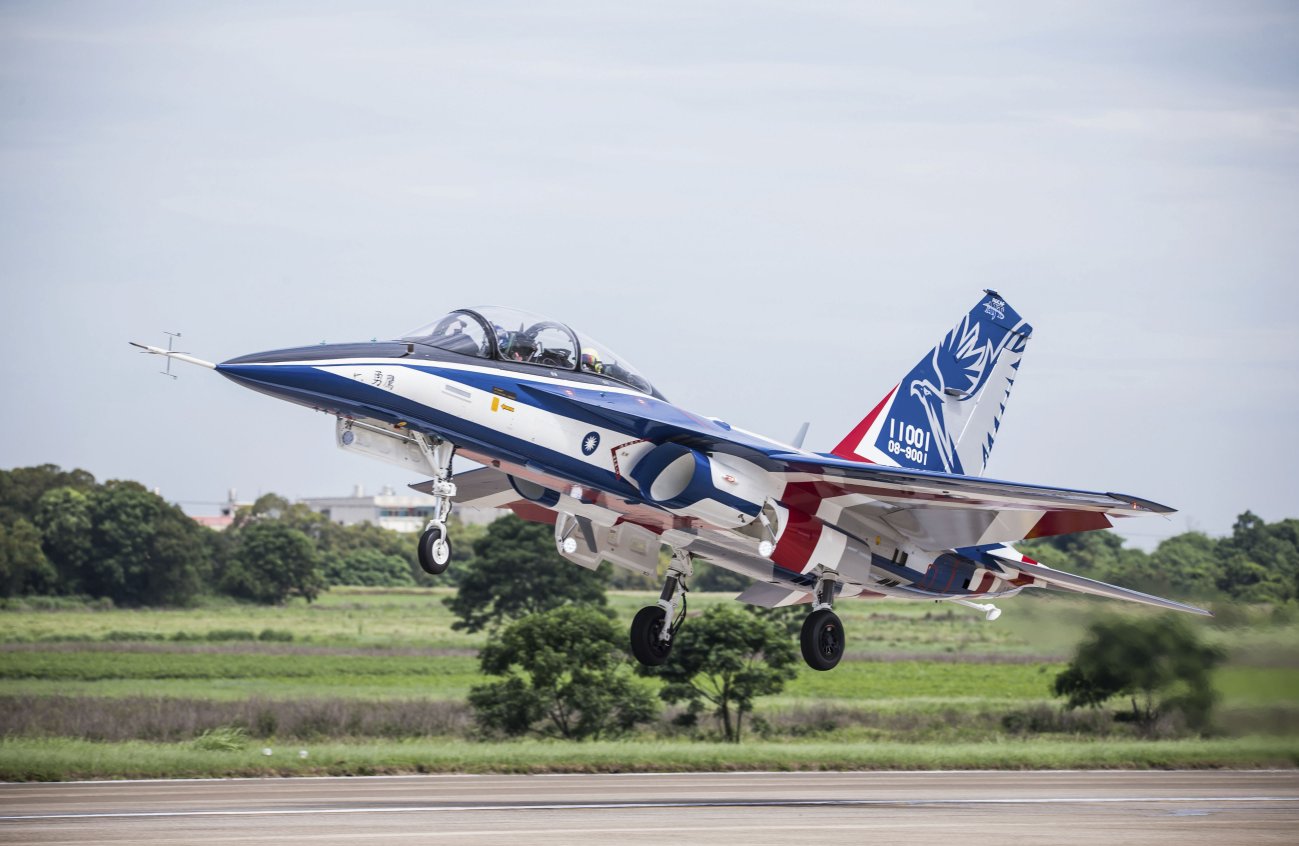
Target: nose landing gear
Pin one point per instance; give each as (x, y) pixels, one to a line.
(434, 547)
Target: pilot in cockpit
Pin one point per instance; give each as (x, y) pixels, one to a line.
(515, 346)
(591, 361)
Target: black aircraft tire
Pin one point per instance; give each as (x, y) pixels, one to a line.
(646, 644)
(434, 552)
(822, 640)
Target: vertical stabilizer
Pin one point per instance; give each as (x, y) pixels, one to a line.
(944, 415)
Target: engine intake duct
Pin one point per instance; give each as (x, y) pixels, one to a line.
(721, 490)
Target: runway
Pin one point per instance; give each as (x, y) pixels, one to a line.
(1110, 807)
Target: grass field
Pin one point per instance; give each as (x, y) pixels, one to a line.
(61, 759)
(359, 617)
(379, 679)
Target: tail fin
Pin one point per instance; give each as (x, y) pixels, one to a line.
(945, 413)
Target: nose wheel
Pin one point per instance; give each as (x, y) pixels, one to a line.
(434, 550)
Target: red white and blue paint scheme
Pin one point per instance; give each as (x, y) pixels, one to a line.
(569, 433)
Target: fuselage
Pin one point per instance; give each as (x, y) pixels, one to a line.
(579, 439)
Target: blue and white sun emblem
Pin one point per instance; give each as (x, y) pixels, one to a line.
(590, 443)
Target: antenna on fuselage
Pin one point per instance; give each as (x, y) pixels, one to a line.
(171, 336)
(171, 353)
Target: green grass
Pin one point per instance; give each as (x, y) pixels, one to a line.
(417, 618)
(1258, 685)
(99, 666)
(49, 760)
(923, 686)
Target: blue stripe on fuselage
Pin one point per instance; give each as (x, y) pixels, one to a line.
(309, 385)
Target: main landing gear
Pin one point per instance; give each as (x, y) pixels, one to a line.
(822, 636)
(654, 625)
(434, 546)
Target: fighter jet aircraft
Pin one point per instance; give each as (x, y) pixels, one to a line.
(570, 433)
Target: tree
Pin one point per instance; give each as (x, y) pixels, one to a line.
(22, 487)
(368, 567)
(143, 551)
(64, 518)
(23, 566)
(1159, 663)
(1260, 561)
(726, 657)
(515, 572)
(271, 562)
(1187, 564)
(565, 674)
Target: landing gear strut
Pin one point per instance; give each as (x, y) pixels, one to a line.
(822, 638)
(654, 625)
(434, 546)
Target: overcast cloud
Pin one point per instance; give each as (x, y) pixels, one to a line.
(773, 209)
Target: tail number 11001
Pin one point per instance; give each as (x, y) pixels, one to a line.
(909, 441)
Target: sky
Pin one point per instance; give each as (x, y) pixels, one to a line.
(773, 209)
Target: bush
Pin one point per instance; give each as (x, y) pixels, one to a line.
(515, 572)
(564, 674)
(368, 568)
(272, 562)
(221, 739)
(1159, 662)
(724, 659)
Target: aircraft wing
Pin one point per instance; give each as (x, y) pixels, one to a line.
(945, 511)
(1081, 584)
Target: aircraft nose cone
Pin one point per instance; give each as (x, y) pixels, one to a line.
(295, 373)
(291, 373)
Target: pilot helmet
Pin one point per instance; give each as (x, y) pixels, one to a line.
(591, 360)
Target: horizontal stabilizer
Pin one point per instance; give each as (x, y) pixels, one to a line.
(1082, 584)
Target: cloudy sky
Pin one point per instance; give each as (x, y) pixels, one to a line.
(772, 208)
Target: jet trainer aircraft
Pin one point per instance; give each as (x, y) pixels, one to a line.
(570, 433)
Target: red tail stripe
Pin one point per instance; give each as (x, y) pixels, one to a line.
(846, 448)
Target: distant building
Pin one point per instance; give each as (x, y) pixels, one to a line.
(222, 521)
(389, 510)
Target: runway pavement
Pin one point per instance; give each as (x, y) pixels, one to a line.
(753, 809)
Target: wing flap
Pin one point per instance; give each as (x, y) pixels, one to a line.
(945, 490)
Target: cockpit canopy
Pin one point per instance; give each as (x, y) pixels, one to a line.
(507, 334)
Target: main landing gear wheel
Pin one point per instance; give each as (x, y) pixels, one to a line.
(647, 642)
(434, 551)
(822, 639)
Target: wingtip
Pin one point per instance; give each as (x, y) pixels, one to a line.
(1141, 504)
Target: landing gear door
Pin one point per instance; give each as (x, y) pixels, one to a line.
(626, 545)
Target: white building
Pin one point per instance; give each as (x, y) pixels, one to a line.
(389, 509)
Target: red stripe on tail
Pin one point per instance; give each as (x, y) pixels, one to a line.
(854, 439)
